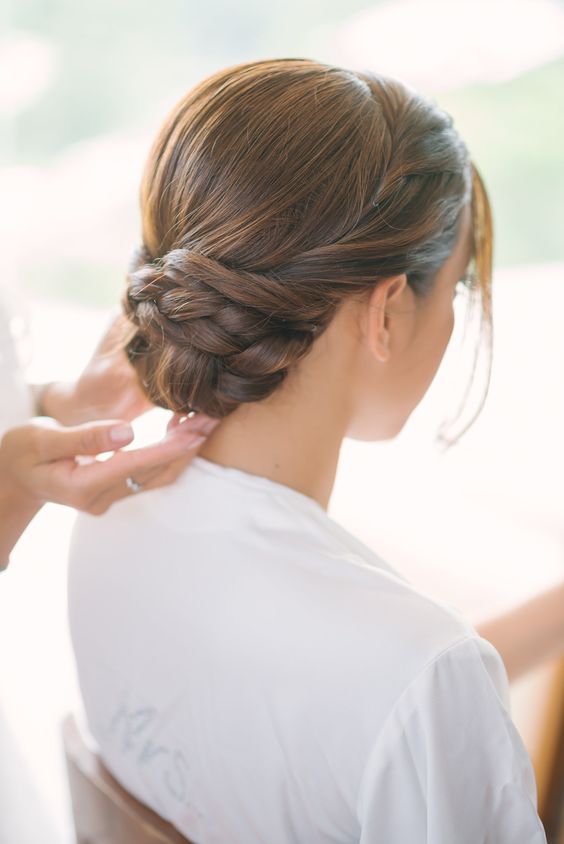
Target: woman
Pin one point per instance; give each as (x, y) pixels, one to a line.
(260, 674)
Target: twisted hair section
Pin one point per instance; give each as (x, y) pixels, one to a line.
(209, 337)
(274, 191)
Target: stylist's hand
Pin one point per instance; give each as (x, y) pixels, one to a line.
(40, 462)
(108, 387)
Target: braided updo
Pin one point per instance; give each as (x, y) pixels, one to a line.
(209, 337)
(274, 190)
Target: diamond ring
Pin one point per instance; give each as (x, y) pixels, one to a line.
(133, 485)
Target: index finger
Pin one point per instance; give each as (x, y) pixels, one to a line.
(125, 463)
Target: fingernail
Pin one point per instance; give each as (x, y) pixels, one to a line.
(186, 429)
(190, 420)
(121, 434)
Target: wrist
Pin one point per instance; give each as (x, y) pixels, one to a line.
(15, 499)
(17, 509)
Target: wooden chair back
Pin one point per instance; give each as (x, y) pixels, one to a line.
(104, 812)
(548, 755)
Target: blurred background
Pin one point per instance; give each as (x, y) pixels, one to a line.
(83, 89)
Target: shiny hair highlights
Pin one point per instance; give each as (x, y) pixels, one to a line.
(274, 190)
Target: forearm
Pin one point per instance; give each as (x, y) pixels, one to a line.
(16, 512)
(530, 633)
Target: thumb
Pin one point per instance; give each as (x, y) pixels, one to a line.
(91, 438)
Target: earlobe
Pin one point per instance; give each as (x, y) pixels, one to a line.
(379, 335)
(378, 319)
(381, 346)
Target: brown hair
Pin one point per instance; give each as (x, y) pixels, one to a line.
(274, 190)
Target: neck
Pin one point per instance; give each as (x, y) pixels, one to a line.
(293, 437)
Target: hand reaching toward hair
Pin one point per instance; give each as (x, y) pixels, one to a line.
(41, 461)
(108, 387)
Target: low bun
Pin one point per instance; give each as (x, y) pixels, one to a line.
(205, 337)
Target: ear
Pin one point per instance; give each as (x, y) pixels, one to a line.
(386, 294)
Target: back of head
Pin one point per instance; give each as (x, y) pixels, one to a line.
(274, 190)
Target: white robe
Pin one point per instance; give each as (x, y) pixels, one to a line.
(254, 673)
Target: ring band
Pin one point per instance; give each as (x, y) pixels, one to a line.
(133, 485)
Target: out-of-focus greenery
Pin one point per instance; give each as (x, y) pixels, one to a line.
(515, 132)
(86, 283)
(120, 60)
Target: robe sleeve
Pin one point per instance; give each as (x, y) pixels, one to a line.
(449, 765)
